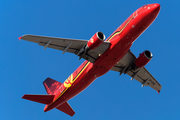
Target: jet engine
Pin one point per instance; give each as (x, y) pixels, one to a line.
(95, 41)
(143, 59)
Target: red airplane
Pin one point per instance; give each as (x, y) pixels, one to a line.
(100, 57)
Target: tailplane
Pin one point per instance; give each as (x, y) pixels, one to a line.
(44, 99)
(66, 108)
(51, 86)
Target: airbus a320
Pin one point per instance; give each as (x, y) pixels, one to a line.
(100, 56)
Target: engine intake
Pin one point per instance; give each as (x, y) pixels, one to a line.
(143, 58)
(96, 40)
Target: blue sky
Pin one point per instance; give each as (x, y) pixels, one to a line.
(25, 65)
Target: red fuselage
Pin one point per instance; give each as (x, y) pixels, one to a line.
(121, 40)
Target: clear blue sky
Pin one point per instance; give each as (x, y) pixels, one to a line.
(25, 65)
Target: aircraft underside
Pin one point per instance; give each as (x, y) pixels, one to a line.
(100, 57)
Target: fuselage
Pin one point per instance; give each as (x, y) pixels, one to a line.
(120, 42)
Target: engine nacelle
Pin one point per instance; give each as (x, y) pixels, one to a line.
(96, 40)
(143, 59)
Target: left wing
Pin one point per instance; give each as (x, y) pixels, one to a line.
(68, 45)
(141, 74)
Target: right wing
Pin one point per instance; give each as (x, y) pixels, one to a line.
(68, 45)
(141, 74)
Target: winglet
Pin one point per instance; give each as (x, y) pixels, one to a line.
(19, 38)
(158, 92)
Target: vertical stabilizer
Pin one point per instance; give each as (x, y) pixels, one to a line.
(51, 85)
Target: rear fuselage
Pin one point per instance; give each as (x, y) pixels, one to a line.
(121, 40)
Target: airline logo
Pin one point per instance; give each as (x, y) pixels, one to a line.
(68, 82)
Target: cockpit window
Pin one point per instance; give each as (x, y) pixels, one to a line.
(144, 5)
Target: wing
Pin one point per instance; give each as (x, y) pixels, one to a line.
(68, 45)
(142, 75)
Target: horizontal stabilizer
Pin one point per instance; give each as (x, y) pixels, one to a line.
(66, 108)
(44, 99)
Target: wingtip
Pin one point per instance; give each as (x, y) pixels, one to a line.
(158, 92)
(19, 38)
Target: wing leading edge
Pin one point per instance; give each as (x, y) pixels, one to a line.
(68, 45)
(142, 74)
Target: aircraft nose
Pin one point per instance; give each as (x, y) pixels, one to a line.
(154, 8)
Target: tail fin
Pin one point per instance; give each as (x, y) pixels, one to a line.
(66, 108)
(51, 85)
(44, 99)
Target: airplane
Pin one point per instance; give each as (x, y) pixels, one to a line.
(100, 56)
